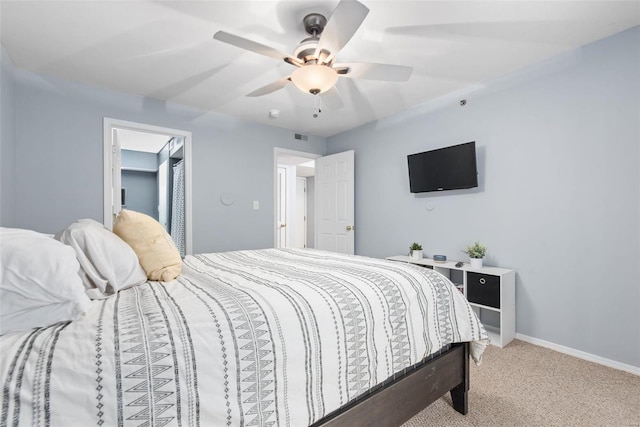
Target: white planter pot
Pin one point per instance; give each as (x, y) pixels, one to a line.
(416, 254)
(476, 262)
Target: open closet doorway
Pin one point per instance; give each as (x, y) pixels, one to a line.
(294, 195)
(148, 169)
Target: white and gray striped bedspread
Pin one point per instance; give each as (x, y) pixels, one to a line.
(257, 338)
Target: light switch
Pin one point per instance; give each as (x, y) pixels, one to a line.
(256, 205)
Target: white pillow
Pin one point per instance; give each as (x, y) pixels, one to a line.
(108, 263)
(39, 281)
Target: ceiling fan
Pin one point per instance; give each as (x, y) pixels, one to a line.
(317, 72)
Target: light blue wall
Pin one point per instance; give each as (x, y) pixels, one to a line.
(559, 159)
(138, 160)
(7, 144)
(59, 132)
(139, 176)
(142, 192)
(141, 184)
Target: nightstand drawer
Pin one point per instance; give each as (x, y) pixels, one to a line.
(483, 289)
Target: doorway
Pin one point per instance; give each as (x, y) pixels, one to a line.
(162, 169)
(294, 199)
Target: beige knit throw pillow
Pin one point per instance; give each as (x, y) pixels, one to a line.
(156, 251)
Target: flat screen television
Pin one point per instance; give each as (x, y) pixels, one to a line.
(448, 168)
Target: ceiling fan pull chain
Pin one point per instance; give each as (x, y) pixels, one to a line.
(317, 107)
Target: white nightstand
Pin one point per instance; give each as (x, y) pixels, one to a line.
(489, 289)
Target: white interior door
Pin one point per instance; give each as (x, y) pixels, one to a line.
(116, 176)
(301, 213)
(335, 203)
(281, 208)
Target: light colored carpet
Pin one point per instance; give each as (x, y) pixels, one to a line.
(527, 385)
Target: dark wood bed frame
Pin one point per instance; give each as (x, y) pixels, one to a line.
(400, 400)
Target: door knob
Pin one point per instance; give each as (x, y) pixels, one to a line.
(283, 225)
(349, 228)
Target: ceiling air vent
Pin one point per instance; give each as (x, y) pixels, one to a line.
(301, 137)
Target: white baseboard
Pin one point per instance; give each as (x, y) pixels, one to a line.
(581, 354)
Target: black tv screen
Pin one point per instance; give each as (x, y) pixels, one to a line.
(449, 168)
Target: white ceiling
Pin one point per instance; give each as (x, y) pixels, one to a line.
(304, 165)
(165, 49)
(141, 141)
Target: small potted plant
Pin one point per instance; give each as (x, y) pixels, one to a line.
(415, 251)
(476, 252)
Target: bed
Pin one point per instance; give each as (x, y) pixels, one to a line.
(272, 337)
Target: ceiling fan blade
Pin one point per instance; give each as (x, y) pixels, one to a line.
(342, 25)
(371, 71)
(256, 47)
(332, 99)
(271, 87)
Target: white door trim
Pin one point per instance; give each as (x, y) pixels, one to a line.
(281, 207)
(276, 152)
(108, 126)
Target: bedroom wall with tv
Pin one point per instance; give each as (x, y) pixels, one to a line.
(59, 131)
(7, 143)
(558, 197)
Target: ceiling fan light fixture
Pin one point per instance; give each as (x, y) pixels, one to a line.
(314, 78)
